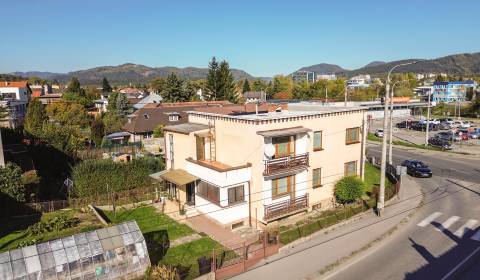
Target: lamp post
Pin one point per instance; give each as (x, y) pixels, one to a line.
(381, 195)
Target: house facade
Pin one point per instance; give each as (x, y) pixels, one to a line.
(14, 96)
(239, 167)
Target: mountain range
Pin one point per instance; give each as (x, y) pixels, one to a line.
(459, 64)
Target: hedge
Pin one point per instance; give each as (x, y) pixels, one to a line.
(96, 177)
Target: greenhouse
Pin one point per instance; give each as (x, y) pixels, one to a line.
(117, 252)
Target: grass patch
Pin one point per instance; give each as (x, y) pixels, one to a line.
(372, 178)
(372, 137)
(13, 232)
(150, 221)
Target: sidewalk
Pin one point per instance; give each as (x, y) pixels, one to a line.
(325, 250)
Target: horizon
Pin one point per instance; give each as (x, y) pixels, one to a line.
(263, 39)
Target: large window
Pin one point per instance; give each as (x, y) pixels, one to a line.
(351, 168)
(283, 186)
(236, 195)
(317, 178)
(352, 135)
(209, 192)
(317, 141)
(284, 146)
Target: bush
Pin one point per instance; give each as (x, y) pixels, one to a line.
(56, 223)
(96, 177)
(163, 272)
(348, 189)
(11, 182)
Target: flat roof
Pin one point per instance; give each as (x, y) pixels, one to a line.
(186, 128)
(179, 177)
(283, 131)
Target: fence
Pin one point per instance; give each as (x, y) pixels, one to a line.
(97, 153)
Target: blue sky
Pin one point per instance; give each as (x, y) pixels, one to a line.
(263, 38)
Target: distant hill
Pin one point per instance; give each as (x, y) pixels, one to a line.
(323, 68)
(129, 73)
(375, 63)
(457, 64)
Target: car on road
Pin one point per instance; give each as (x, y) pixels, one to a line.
(417, 168)
(379, 133)
(440, 143)
(404, 124)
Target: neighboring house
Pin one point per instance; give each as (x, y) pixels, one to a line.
(152, 98)
(14, 96)
(142, 122)
(307, 76)
(359, 81)
(40, 90)
(50, 98)
(455, 91)
(237, 166)
(329, 77)
(102, 103)
(254, 96)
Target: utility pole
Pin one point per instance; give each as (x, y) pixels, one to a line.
(346, 88)
(2, 157)
(428, 120)
(326, 94)
(381, 195)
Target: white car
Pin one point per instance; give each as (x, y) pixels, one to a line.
(379, 133)
(462, 124)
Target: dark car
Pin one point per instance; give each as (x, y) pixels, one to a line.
(417, 168)
(404, 124)
(439, 142)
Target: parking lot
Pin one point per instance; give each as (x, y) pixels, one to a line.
(471, 146)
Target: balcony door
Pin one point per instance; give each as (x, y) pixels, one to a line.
(284, 146)
(200, 142)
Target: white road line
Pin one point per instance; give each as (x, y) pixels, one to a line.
(467, 226)
(429, 219)
(476, 236)
(445, 225)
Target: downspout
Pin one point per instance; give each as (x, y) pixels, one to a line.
(364, 139)
(249, 203)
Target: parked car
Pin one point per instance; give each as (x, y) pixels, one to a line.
(463, 136)
(469, 133)
(444, 126)
(379, 133)
(439, 142)
(422, 126)
(462, 124)
(449, 136)
(403, 124)
(447, 120)
(417, 168)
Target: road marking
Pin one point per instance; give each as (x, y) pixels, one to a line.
(476, 236)
(464, 228)
(429, 219)
(445, 225)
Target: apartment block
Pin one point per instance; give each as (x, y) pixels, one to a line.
(242, 164)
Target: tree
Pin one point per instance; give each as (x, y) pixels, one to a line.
(158, 131)
(227, 89)
(113, 122)
(118, 102)
(68, 113)
(348, 189)
(246, 86)
(11, 182)
(74, 86)
(35, 118)
(97, 131)
(174, 90)
(212, 84)
(106, 86)
(158, 84)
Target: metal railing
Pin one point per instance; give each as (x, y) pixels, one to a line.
(278, 165)
(287, 207)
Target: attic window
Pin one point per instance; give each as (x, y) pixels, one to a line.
(146, 116)
(173, 118)
(278, 109)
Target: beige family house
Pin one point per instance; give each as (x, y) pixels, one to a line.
(242, 164)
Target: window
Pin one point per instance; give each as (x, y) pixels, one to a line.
(284, 146)
(352, 135)
(146, 116)
(282, 186)
(317, 178)
(236, 195)
(317, 141)
(209, 192)
(351, 168)
(173, 118)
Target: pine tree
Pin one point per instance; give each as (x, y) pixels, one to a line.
(174, 90)
(227, 89)
(246, 86)
(97, 131)
(212, 84)
(74, 86)
(35, 118)
(106, 85)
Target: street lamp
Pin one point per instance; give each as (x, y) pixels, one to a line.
(381, 195)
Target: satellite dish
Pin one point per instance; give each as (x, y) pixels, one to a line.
(269, 150)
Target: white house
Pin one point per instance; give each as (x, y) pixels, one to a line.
(14, 96)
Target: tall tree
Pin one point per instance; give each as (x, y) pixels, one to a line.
(118, 102)
(106, 85)
(212, 86)
(174, 90)
(97, 131)
(227, 89)
(35, 118)
(74, 86)
(246, 86)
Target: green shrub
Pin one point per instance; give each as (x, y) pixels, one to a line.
(348, 189)
(56, 223)
(96, 177)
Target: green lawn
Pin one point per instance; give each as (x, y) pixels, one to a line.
(372, 137)
(372, 177)
(13, 231)
(150, 221)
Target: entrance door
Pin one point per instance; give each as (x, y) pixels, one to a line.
(190, 189)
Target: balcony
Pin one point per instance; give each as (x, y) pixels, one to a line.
(286, 164)
(285, 208)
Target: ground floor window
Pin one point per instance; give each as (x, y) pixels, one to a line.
(317, 178)
(236, 195)
(209, 192)
(283, 186)
(351, 168)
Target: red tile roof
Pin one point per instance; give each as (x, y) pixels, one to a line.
(14, 84)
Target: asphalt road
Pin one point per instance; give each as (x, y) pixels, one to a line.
(440, 235)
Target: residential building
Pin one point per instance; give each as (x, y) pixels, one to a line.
(454, 91)
(243, 164)
(152, 98)
(142, 122)
(14, 96)
(40, 90)
(307, 76)
(255, 96)
(359, 81)
(329, 77)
